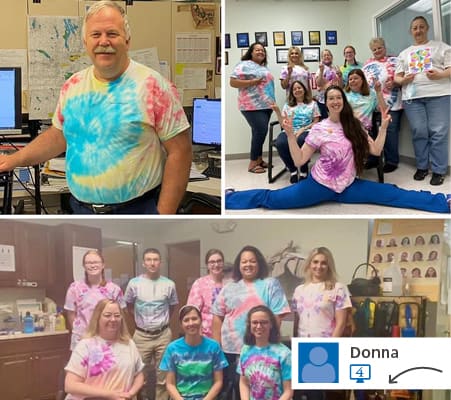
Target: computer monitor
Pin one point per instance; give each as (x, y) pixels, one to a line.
(206, 123)
(10, 101)
(360, 372)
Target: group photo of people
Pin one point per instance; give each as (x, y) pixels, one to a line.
(354, 110)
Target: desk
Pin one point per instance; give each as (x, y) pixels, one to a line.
(211, 186)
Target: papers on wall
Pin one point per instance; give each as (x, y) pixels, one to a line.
(193, 48)
(165, 70)
(148, 57)
(190, 78)
(7, 258)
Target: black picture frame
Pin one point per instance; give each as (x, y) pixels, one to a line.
(226, 58)
(262, 38)
(281, 56)
(311, 54)
(297, 38)
(227, 41)
(278, 38)
(314, 38)
(331, 37)
(218, 66)
(242, 39)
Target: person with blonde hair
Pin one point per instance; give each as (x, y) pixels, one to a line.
(105, 363)
(295, 70)
(82, 296)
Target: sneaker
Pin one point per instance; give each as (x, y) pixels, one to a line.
(294, 177)
(229, 190)
(303, 175)
(437, 179)
(390, 168)
(420, 174)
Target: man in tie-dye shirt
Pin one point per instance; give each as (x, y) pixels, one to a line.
(121, 125)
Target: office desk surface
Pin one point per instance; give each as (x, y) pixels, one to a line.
(211, 186)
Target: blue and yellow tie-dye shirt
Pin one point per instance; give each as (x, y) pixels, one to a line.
(114, 132)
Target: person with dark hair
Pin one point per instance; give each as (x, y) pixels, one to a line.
(152, 298)
(419, 241)
(435, 239)
(251, 287)
(265, 363)
(417, 256)
(430, 273)
(305, 112)
(416, 273)
(105, 364)
(405, 241)
(433, 255)
(194, 363)
(344, 146)
(204, 290)
(424, 73)
(255, 84)
(83, 296)
(350, 63)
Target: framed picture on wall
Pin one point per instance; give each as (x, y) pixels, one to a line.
(331, 37)
(311, 54)
(262, 38)
(297, 38)
(227, 41)
(226, 58)
(281, 56)
(242, 39)
(218, 66)
(279, 38)
(243, 52)
(314, 38)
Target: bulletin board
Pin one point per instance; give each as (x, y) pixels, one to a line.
(417, 247)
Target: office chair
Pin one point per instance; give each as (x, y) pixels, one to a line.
(271, 146)
(201, 203)
(6, 181)
(376, 121)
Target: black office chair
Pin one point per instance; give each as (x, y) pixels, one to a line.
(271, 146)
(200, 203)
(6, 181)
(376, 121)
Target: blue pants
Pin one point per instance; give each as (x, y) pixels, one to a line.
(391, 146)
(284, 150)
(429, 120)
(308, 193)
(258, 120)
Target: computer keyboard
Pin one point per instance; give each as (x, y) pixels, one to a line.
(212, 172)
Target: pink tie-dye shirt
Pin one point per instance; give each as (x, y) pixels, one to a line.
(104, 364)
(82, 299)
(335, 167)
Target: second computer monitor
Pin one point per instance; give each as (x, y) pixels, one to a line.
(206, 123)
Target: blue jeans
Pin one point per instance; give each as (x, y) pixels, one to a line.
(258, 120)
(323, 110)
(284, 150)
(429, 120)
(308, 193)
(391, 146)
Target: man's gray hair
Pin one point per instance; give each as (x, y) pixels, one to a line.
(100, 5)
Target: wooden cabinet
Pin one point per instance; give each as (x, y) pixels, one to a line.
(8, 236)
(30, 368)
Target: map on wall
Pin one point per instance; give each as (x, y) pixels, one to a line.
(55, 52)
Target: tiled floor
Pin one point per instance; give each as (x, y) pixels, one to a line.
(236, 175)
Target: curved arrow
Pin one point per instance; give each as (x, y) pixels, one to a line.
(393, 380)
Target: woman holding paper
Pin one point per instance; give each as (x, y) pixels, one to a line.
(424, 72)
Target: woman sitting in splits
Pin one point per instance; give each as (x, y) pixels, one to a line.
(344, 146)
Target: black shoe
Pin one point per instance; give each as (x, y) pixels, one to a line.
(294, 177)
(371, 164)
(390, 168)
(437, 179)
(420, 174)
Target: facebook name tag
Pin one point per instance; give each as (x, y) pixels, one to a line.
(371, 363)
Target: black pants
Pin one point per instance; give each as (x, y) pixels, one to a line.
(231, 380)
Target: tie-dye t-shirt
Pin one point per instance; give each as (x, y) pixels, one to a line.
(82, 299)
(152, 299)
(345, 70)
(383, 70)
(105, 364)
(255, 97)
(303, 114)
(266, 368)
(237, 298)
(331, 75)
(298, 74)
(193, 366)
(363, 107)
(335, 167)
(316, 308)
(203, 294)
(114, 132)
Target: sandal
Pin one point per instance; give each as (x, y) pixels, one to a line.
(263, 164)
(257, 169)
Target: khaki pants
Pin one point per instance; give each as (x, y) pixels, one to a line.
(151, 348)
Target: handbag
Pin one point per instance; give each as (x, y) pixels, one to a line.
(365, 286)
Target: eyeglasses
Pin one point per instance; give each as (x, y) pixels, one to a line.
(262, 323)
(213, 262)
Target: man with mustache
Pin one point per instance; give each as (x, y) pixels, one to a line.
(122, 126)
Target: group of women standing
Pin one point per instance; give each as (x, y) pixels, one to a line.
(348, 115)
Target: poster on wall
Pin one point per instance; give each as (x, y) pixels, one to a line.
(417, 250)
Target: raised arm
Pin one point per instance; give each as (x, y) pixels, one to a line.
(377, 145)
(300, 155)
